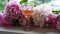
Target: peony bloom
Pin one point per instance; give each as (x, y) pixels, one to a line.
(52, 20)
(1, 17)
(58, 22)
(5, 20)
(39, 17)
(13, 9)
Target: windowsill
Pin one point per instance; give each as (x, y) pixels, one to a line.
(17, 30)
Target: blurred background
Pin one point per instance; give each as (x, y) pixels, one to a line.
(36, 2)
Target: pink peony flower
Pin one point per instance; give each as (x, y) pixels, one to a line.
(52, 20)
(58, 22)
(4, 20)
(13, 9)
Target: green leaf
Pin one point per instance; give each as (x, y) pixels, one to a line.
(23, 1)
(55, 11)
